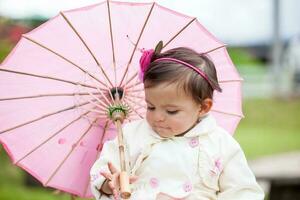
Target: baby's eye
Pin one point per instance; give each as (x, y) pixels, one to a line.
(172, 112)
(150, 108)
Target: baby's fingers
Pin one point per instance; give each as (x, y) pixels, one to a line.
(112, 186)
(108, 176)
(112, 168)
(114, 190)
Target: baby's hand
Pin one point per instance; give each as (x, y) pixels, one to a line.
(113, 180)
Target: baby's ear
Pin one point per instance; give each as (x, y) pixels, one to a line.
(206, 106)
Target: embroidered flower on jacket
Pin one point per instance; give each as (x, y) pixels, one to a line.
(154, 182)
(194, 142)
(217, 168)
(218, 164)
(187, 186)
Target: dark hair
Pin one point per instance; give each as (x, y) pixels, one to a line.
(186, 78)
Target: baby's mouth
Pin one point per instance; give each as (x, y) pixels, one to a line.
(160, 127)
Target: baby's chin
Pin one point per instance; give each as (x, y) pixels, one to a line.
(165, 135)
(168, 133)
(164, 132)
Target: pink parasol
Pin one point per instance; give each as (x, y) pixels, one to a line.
(63, 78)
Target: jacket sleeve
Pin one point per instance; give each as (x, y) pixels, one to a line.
(237, 181)
(109, 153)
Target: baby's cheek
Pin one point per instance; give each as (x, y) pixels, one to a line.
(148, 117)
(177, 125)
(182, 124)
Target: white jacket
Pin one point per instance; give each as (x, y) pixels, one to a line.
(204, 164)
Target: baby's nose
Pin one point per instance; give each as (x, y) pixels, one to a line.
(159, 117)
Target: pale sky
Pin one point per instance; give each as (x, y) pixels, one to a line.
(233, 21)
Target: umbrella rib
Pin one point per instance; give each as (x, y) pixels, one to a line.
(139, 105)
(132, 108)
(64, 58)
(100, 106)
(103, 134)
(84, 43)
(43, 116)
(47, 95)
(98, 153)
(112, 40)
(105, 98)
(125, 86)
(98, 99)
(129, 80)
(133, 85)
(136, 44)
(227, 113)
(52, 136)
(135, 96)
(134, 102)
(47, 77)
(102, 114)
(229, 81)
(70, 152)
(138, 108)
(209, 51)
(136, 90)
(124, 92)
(183, 28)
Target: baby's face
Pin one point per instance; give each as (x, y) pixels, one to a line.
(170, 111)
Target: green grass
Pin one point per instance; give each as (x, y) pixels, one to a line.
(241, 56)
(13, 192)
(269, 127)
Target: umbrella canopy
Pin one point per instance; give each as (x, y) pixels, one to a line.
(58, 82)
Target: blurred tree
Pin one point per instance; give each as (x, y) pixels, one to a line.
(5, 48)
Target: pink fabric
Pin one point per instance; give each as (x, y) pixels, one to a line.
(52, 121)
(145, 61)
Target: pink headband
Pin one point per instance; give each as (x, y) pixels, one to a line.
(147, 55)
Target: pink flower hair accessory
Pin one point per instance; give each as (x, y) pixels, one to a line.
(147, 57)
(145, 61)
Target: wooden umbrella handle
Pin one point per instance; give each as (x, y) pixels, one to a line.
(118, 118)
(124, 185)
(124, 178)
